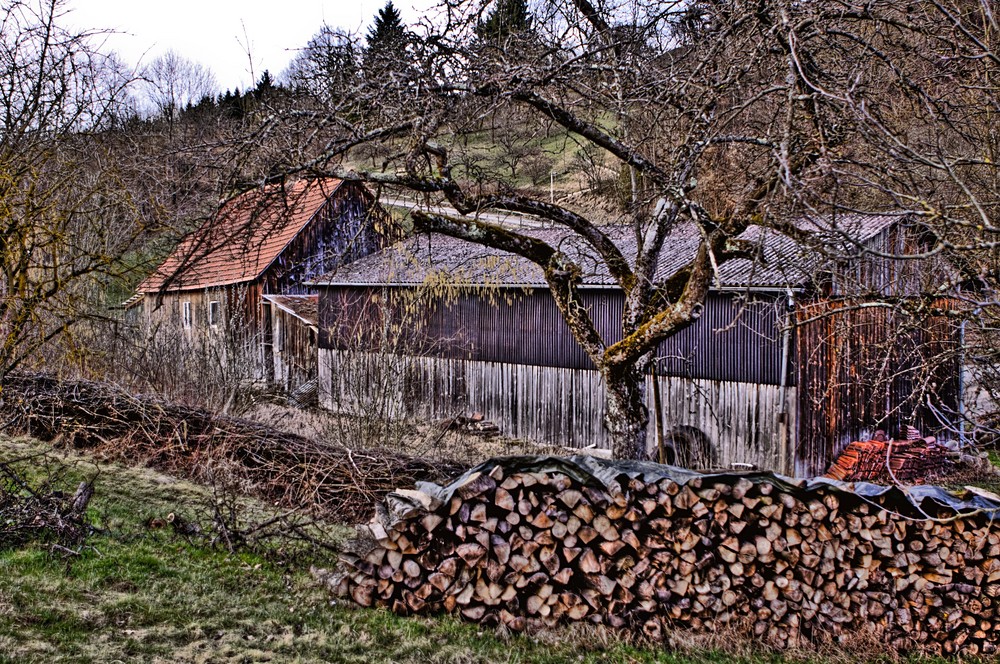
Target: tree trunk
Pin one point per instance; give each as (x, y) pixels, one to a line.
(626, 416)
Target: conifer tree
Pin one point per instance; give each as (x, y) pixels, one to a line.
(387, 39)
(508, 18)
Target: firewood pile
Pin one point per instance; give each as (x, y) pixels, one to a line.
(283, 468)
(41, 512)
(888, 462)
(532, 542)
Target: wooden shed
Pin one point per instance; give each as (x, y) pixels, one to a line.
(755, 381)
(265, 242)
(294, 335)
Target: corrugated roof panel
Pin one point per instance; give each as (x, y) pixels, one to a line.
(783, 262)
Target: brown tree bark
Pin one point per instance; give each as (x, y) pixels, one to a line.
(626, 416)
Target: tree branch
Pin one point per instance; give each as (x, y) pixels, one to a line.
(561, 273)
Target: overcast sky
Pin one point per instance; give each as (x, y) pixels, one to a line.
(217, 33)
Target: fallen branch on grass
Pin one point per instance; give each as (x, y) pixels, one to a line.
(41, 514)
(280, 467)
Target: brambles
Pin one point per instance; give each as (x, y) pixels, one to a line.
(280, 467)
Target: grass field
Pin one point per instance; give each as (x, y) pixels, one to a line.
(138, 593)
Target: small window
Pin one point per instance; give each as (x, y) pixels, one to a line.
(187, 315)
(213, 313)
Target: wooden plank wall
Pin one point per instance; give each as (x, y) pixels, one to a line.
(294, 351)
(551, 405)
(862, 369)
(348, 227)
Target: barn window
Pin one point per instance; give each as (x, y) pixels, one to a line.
(186, 319)
(213, 313)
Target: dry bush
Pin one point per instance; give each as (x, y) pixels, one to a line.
(39, 509)
(217, 371)
(285, 469)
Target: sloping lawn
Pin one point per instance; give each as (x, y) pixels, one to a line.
(139, 592)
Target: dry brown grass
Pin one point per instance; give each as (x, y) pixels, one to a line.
(429, 440)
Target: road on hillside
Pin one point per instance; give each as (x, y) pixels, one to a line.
(500, 218)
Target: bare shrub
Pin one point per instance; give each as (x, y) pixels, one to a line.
(218, 369)
(537, 167)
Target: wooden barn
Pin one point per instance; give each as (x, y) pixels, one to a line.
(771, 376)
(242, 276)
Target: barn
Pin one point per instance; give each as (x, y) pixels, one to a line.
(241, 278)
(780, 372)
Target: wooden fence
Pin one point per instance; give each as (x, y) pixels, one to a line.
(556, 406)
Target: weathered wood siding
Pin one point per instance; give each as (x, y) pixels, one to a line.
(236, 333)
(348, 227)
(553, 405)
(863, 369)
(293, 349)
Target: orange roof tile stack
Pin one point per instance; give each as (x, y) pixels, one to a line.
(912, 461)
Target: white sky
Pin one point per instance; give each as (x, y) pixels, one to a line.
(216, 33)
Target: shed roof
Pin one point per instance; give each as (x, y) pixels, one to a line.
(303, 307)
(784, 262)
(242, 240)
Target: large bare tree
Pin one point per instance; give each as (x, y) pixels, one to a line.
(718, 115)
(65, 218)
(174, 83)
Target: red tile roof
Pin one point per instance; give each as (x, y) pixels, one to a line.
(247, 234)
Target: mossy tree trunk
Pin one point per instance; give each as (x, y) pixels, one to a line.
(626, 416)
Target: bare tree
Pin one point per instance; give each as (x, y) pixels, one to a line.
(327, 67)
(64, 218)
(721, 116)
(174, 83)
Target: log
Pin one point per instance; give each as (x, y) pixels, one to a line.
(804, 566)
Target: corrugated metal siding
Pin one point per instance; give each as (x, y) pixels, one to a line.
(557, 406)
(865, 369)
(733, 340)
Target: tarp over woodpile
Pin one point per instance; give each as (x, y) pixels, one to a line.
(610, 475)
(538, 541)
(285, 468)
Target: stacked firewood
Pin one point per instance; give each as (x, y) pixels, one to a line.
(533, 542)
(886, 462)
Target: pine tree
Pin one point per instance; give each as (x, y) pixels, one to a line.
(386, 62)
(266, 87)
(387, 38)
(508, 18)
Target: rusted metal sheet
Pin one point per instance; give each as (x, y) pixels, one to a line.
(867, 368)
(551, 405)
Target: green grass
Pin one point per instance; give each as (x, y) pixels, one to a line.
(141, 594)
